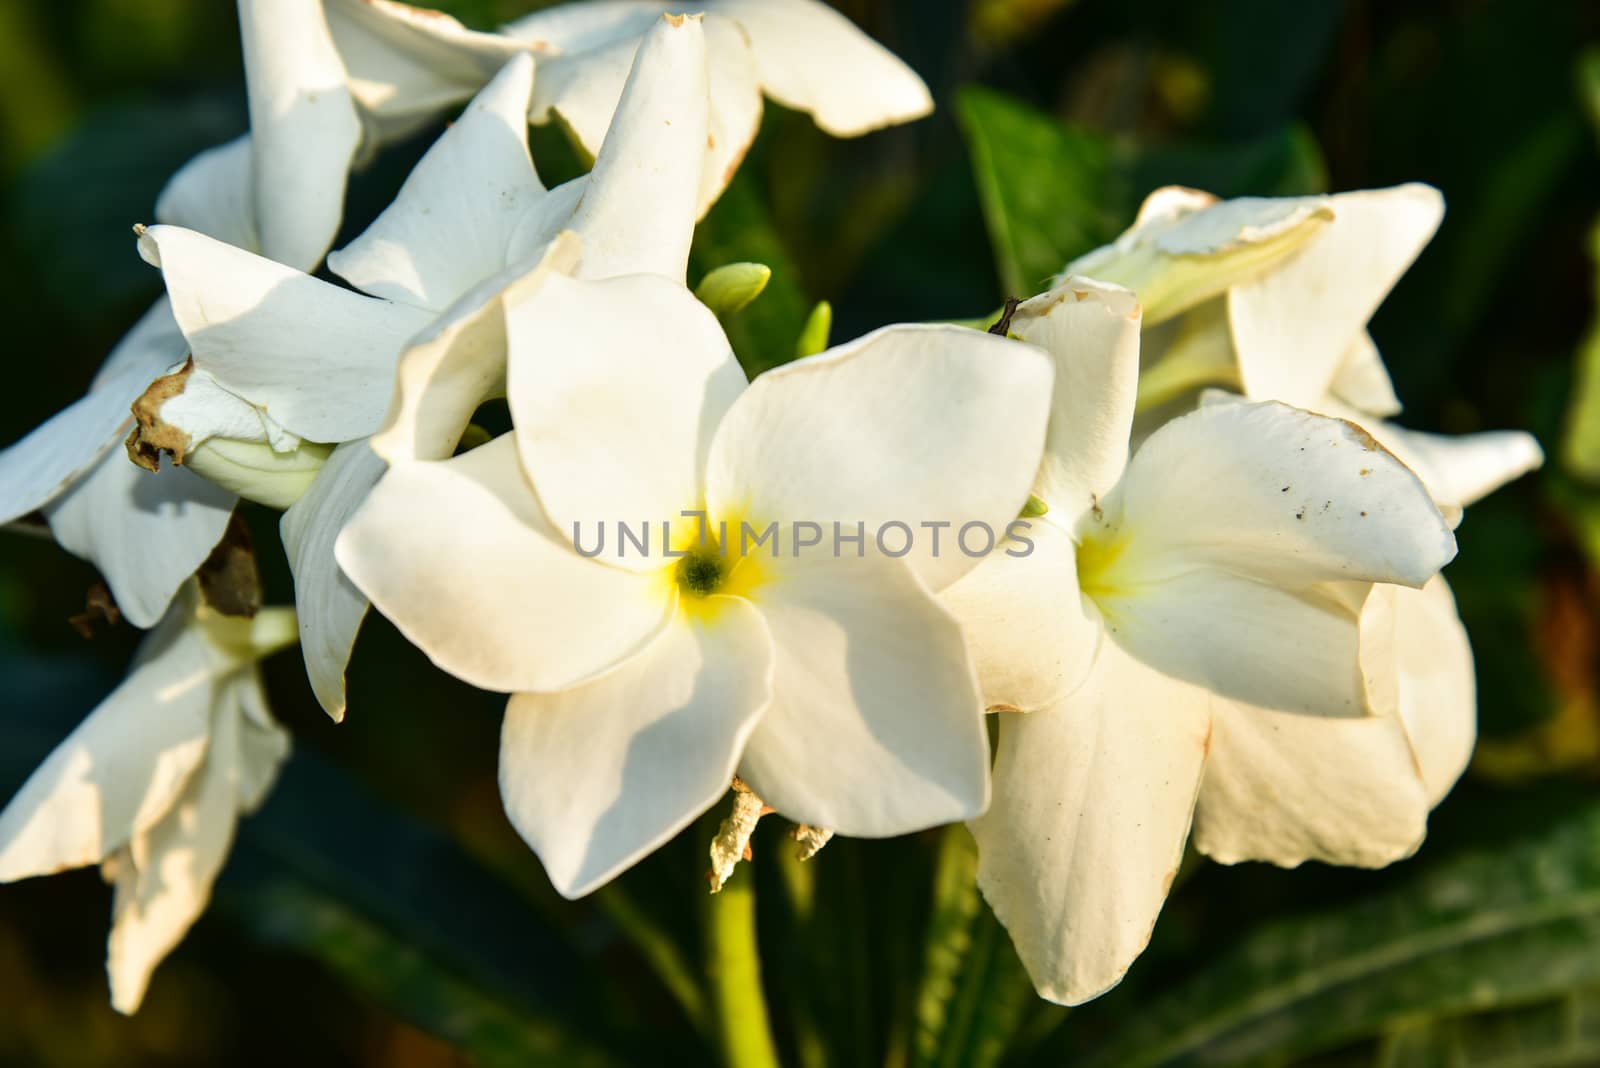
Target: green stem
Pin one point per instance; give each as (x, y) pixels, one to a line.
(733, 966)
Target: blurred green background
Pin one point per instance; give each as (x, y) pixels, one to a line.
(381, 911)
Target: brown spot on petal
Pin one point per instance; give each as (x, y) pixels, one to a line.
(151, 435)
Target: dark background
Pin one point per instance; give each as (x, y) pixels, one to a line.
(381, 896)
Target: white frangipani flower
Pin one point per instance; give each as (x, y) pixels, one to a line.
(1214, 580)
(472, 224)
(835, 685)
(801, 53)
(1272, 297)
(152, 783)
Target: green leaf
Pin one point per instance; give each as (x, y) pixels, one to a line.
(1490, 930)
(1046, 187)
(1052, 191)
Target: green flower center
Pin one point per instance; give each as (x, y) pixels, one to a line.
(702, 572)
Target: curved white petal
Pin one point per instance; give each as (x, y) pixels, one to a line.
(214, 193)
(1292, 325)
(616, 388)
(1288, 788)
(813, 59)
(460, 361)
(736, 107)
(1092, 803)
(459, 556)
(320, 359)
(876, 723)
(1028, 631)
(911, 424)
(1437, 692)
(147, 533)
(1462, 469)
(1362, 380)
(580, 27)
(407, 64)
(328, 605)
(1276, 494)
(598, 776)
(450, 226)
(304, 126)
(1091, 332)
(637, 215)
(124, 766)
(164, 878)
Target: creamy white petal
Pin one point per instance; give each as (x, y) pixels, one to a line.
(1462, 469)
(304, 125)
(206, 408)
(876, 723)
(580, 27)
(911, 424)
(125, 765)
(598, 776)
(1288, 788)
(1029, 633)
(736, 107)
(147, 533)
(319, 358)
(163, 880)
(459, 556)
(460, 361)
(638, 214)
(1091, 332)
(1293, 324)
(1092, 804)
(1437, 692)
(813, 59)
(214, 193)
(450, 226)
(328, 605)
(1362, 380)
(616, 388)
(407, 64)
(1276, 494)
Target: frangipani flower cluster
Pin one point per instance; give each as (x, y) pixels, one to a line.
(1157, 522)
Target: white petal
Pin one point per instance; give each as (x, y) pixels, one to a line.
(407, 64)
(450, 226)
(319, 358)
(205, 409)
(1462, 469)
(1293, 324)
(1437, 687)
(1362, 381)
(735, 107)
(579, 27)
(458, 555)
(459, 362)
(598, 776)
(63, 449)
(304, 126)
(328, 605)
(163, 881)
(876, 724)
(123, 768)
(1288, 788)
(214, 193)
(151, 348)
(1091, 332)
(638, 214)
(813, 59)
(1027, 628)
(147, 533)
(1279, 495)
(911, 424)
(596, 452)
(1092, 803)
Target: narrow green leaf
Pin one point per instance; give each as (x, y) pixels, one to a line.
(1490, 930)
